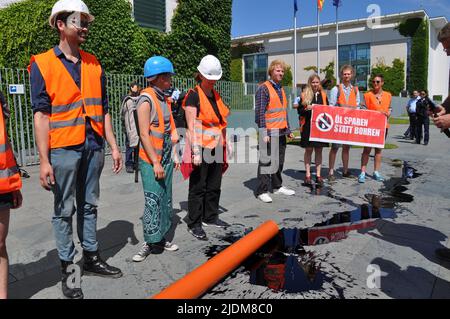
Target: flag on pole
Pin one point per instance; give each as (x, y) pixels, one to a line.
(320, 4)
(295, 7)
(337, 3)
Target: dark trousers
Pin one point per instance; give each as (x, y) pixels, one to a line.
(204, 193)
(411, 132)
(129, 153)
(425, 123)
(264, 162)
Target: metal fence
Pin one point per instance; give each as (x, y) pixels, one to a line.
(238, 96)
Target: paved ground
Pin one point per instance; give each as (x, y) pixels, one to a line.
(402, 247)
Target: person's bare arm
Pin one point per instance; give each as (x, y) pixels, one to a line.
(42, 129)
(111, 139)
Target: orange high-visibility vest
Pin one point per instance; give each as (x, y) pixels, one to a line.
(207, 126)
(9, 172)
(302, 118)
(156, 132)
(276, 112)
(382, 106)
(342, 101)
(70, 105)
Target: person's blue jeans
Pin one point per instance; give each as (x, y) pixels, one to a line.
(77, 176)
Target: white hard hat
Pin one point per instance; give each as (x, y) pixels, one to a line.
(69, 6)
(210, 68)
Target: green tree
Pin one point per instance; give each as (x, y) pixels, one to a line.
(287, 78)
(236, 70)
(197, 31)
(417, 29)
(394, 76)
(329, 77)
(118, 42)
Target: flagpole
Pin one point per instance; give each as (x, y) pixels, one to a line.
(294, 85)
(337, 47)
(318, 42)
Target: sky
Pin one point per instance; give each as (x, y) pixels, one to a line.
(258, 16)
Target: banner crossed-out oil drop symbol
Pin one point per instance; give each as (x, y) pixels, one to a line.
(324, 122)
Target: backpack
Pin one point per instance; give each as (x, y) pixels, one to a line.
(178, 112)
(127, 110)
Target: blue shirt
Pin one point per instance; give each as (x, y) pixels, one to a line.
(347, 90)
(40, 100)
(412, 105)
(262, 100)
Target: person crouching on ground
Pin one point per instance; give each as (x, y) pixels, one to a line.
(157, 135)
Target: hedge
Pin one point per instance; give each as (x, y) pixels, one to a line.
(417, 29)
(119, 43)
(394, 76)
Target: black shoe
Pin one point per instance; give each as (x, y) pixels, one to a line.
(217, 223)
(95, 266)
(130, 169)
(198, 232)
(319, 181)
(443, 254)
(69, 292)
(426, 143)
(347, 175)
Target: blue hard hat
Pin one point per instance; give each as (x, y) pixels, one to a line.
(157, 65)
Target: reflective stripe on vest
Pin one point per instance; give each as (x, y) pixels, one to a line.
(156, 132)
(70, 104)
(276, 112)
(352, 101)
(9, 172)
(207, 127)
(374, 105)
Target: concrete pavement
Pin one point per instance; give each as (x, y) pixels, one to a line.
(403, 247)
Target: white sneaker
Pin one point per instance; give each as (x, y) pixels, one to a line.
(143, 253)
(170, 246)
(284, 191)
(265, 198)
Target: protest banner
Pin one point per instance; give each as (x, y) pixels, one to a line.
(349, 126)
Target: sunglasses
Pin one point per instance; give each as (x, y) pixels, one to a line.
(377, 82)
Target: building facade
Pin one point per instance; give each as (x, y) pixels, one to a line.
(154, 14)
(361, 44)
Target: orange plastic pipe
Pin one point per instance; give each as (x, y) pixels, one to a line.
(204, 277)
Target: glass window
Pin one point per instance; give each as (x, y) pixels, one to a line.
(357, 55)
(150, 14)
(255, 68)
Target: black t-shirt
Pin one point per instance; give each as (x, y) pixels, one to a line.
(4, 105)
(194, 100)
(317, 99)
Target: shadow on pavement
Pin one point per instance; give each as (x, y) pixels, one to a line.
(397, 234)
(45, 272)
(412, 282)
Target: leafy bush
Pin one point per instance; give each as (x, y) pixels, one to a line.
(287, 78)
(394, 76)
(236, 70)
(417, 29)
(118, 42)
